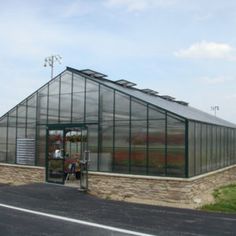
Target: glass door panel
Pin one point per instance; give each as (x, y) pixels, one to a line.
(75, 146)
(55, 156)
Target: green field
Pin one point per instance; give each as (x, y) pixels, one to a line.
(225, 200)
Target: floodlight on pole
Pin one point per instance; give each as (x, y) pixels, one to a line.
(49, 61)
(215, 108)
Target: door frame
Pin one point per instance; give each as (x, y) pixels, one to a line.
(62, 127)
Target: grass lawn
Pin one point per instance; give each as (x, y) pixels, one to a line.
(225, 200)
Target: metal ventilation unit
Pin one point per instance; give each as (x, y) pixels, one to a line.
(125, 83)
(149, 91)
(168, 98)
(93, 73)
(25, 151)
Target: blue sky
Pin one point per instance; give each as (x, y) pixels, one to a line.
(182, 48)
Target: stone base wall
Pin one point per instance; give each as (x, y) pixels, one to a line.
(176, 192)
(19, 174)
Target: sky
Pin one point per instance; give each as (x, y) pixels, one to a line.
(182, 48)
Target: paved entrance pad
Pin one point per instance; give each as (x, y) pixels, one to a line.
(69, 202)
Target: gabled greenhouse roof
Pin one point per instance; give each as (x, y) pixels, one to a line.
(167, 103)
(184, 111)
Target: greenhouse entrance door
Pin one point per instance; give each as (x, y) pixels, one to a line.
(67, 155)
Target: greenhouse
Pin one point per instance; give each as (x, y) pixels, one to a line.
(124, 129)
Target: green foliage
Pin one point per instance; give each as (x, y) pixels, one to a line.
(225, 200)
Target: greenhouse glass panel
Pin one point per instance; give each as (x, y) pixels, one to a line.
(214, 148)
(156, 143)
(234, 141)
(175, 147)
(11, 153)
(106, 152)
(222, 141)
(43, 104)
(53, 103)
(65, 97)
(92, 96)
(138, 137)
(122, 147)
(31, 117)
(225, 147)
(3, 150)
(41, 146)
(3, 121)
(21, 115)
(138, 110)
(31, 111)
(234, 147)
(155, 114)
(218, 149)
(122, 106)
(11, 135)
(21, 133)
(231, 146)
(78, 98)
(209, 146)
(12, 118)
(3, 134)
(93, 146)
(106, 103)
(3, 138)
(197, 148)
(191, 149)
(138, 147)
(203, 149)
(21, 120)
(31, 133)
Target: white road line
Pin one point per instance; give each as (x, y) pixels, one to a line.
(76, 221)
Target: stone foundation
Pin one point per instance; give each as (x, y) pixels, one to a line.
(20, 174)
(176, 192)
(166, 191)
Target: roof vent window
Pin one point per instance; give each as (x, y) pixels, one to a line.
(93, 73)
(168, 98)
(149, 91)
(182, 103)
(125, 83)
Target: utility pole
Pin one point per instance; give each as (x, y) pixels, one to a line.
(215, 108)
(49, 61)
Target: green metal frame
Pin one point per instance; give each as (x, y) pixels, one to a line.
(186, 149)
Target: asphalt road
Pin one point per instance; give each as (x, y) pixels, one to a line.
(69, 202)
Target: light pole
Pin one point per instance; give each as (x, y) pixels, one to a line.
(49, 61)
(215, 108)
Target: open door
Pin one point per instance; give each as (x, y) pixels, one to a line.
(55, 156)
(67, 155)
(75, 146)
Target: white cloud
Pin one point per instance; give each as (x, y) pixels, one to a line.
(76, 8)
(203, 17)
(138, 5)
(216, 80)
(231, 97)
(207, 50)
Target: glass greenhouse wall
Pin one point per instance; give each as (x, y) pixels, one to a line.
(210, 147)
(125, 133)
